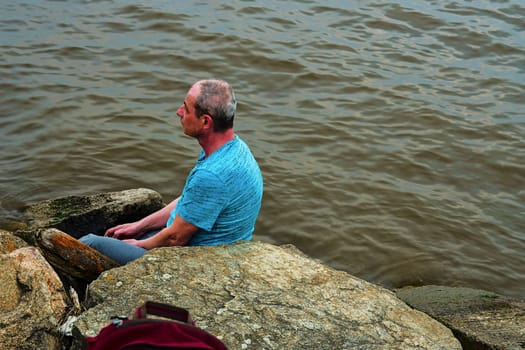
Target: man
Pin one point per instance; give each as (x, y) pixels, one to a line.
(222, 195)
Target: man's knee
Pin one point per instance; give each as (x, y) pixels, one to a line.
(90, 239)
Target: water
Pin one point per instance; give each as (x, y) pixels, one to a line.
(391, 134)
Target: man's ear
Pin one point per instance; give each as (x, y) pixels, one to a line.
(208, 120)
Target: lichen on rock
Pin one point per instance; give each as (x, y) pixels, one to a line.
(273, 297)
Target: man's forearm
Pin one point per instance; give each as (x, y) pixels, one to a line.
(159, 218)
(179, 233)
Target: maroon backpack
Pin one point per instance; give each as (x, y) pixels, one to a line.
(175, 331)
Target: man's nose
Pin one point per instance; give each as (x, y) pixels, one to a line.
(180, 111)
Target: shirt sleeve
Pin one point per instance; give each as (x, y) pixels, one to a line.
(205, 196)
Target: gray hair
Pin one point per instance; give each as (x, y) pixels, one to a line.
(217, 99)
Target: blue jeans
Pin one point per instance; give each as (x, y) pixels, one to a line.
(116, 249)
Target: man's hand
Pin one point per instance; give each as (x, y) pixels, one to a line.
(124, 231)
(134, 242)
(154, 221)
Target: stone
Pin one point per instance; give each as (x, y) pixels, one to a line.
(480, 319)
(33, 302)
(55, 225)
(10, 242)
(71, 256)
(79, 215)
(254, 295)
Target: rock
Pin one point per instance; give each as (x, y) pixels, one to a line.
(53, 225)
(254, 295)
(10, 242)
(33, 302)
(79, 215)
(71, 256)
(480, 319)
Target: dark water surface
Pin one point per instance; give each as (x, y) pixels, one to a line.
(391, 134)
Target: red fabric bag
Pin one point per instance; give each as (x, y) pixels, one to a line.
(175, 331)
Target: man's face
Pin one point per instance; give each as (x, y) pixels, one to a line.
(191, 125)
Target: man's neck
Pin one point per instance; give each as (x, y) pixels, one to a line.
(213, 141)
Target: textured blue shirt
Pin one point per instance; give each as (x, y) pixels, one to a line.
(222, 195)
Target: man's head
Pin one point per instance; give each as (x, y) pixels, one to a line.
(216, 99)
(208, 102)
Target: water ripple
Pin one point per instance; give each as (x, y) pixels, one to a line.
(390, 134)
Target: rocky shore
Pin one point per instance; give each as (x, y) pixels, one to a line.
(252, 295)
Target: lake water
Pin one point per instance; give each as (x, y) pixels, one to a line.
(391, 134)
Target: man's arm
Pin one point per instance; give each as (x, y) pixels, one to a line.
(177, 234)
(151, 222)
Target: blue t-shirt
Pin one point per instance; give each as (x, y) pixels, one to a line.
(222, 195)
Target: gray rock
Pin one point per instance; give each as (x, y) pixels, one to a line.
(33, 302)
(54, 225)
(79, 215)
(259, 296)
(480, 319)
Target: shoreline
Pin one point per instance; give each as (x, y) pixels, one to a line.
(493, 317)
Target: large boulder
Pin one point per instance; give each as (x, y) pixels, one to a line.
(54, 226)
(480, 319)
(33, 302)
(254, 295)
(79, 215)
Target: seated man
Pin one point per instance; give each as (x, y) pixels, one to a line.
(222, 195)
